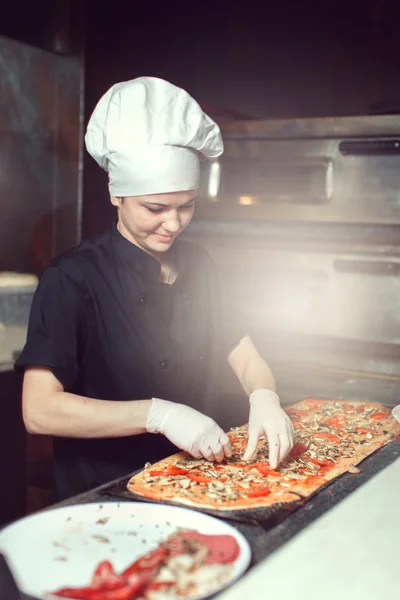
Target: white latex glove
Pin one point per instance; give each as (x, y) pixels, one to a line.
(396, 412)
(267, 418)
(188, 429)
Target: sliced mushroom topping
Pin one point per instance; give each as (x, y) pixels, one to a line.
(214, 496)
(353, 469)
(296, 476)
(218, 485)
(321, 450)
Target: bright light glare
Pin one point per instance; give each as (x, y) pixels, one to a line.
(295, 306)
(214, 180)
(329, 181)
(247, 200)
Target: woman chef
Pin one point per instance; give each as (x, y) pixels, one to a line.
(126, 330)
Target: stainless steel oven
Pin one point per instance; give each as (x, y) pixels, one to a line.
(303, 217)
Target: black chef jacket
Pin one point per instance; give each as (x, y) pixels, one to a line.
(109, 329)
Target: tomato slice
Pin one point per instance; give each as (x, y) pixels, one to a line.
(105, 585)
(319, 463)
(104, 573)
(265, 469)
(125, 591)
(336, 421)
(262, 467)
(363, 430)
(106, 578)
(75, 593)
(198, 478)
(168, 472)
(330, 437)
(326, 469)
(243, 444)
(258, 492)
(297, 450)
(314, 403)
(149, 561)
(130, 589)
(295, 412)
(378, 416)
(247, 468)
(360, 409)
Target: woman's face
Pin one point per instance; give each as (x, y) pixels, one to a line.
(153, 222)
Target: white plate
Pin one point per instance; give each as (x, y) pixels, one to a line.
(61, 547)
(396, 412)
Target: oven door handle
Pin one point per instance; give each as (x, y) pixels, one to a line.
(370, 147)
(367, 267)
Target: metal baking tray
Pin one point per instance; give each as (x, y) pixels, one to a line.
(269, 517)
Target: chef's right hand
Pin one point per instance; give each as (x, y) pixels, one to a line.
(188, 429)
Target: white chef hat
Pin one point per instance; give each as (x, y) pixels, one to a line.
(148, 135)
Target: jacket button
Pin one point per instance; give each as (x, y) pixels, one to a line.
(183, 295)
(201, 358)
(143, 299)
(164, 364)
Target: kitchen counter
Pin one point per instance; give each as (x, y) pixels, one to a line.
(266, 540)
(325, 534)
(350, 552)
(343, 543)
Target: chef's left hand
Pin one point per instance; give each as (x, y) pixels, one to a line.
(267, 418)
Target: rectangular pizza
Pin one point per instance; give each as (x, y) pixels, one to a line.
(331, 438)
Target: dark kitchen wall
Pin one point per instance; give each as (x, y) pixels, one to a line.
(39, 155)
(41, 76)
(280, 60)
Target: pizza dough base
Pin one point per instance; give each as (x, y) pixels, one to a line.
(139, 487)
